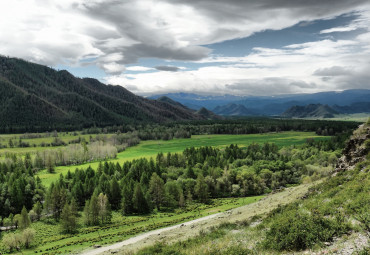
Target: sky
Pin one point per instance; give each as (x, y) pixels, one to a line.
(209, 47)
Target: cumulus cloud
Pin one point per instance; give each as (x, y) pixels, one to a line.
(139, 68)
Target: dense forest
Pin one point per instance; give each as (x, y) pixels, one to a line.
(35, 98)
(233, 126)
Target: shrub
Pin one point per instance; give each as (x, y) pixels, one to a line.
(298, 230)
(12, 241)
(28, 235)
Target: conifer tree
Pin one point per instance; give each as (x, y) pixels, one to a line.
(68, 219)
(156, 189)
(25, 221)
(140, 204)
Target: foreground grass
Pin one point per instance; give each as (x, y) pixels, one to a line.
(148, 149)
(49, 239)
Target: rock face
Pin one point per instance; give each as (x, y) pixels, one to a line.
(356, 149)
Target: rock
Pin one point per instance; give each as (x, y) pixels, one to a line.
(355, 150)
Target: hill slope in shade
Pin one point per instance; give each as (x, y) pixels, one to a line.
(208, 114)
(233, 110)
(171, 102)
(310, 111)
(35, 98)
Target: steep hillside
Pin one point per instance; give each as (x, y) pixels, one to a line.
(233, 110)
(34, 98)
(310, 111)
(207, 114)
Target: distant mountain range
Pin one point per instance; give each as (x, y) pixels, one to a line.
(36, 98)
(310, 111)
(348, 101)
(233, 110)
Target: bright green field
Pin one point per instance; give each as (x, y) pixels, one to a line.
(51, 241)
(151, 148)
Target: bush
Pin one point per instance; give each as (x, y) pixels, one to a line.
(28, 235)
(298, 230)
(12, 241)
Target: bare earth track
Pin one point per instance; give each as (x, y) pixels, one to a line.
(192, 228)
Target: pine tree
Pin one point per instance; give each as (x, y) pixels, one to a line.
(87, 213)
(127, 194)
(37, 208)
(68, 219)
(201, 189)
(25, 221)
(115, 194)
(140, 204)
(156, 189)
(94, 209)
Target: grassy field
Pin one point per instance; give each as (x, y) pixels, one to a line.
(51, 241)
(359, 117)
(151, 148)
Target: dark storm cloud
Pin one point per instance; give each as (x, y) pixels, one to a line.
(332, 71)
(167, 68)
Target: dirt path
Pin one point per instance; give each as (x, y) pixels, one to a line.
(192, 228)
(143, 236)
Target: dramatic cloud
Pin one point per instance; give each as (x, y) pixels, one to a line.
(167, 68)
(112, 34)
(300, 68)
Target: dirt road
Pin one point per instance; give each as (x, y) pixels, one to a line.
(193, 228)
(143, 236)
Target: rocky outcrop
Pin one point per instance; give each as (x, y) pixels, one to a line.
(356, 149)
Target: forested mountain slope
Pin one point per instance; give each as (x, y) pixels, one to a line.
(35, 97)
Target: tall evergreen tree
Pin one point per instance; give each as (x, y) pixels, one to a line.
(156, 189)
(68, 219)
(140, 204)
(25, 221)
(201, 189)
